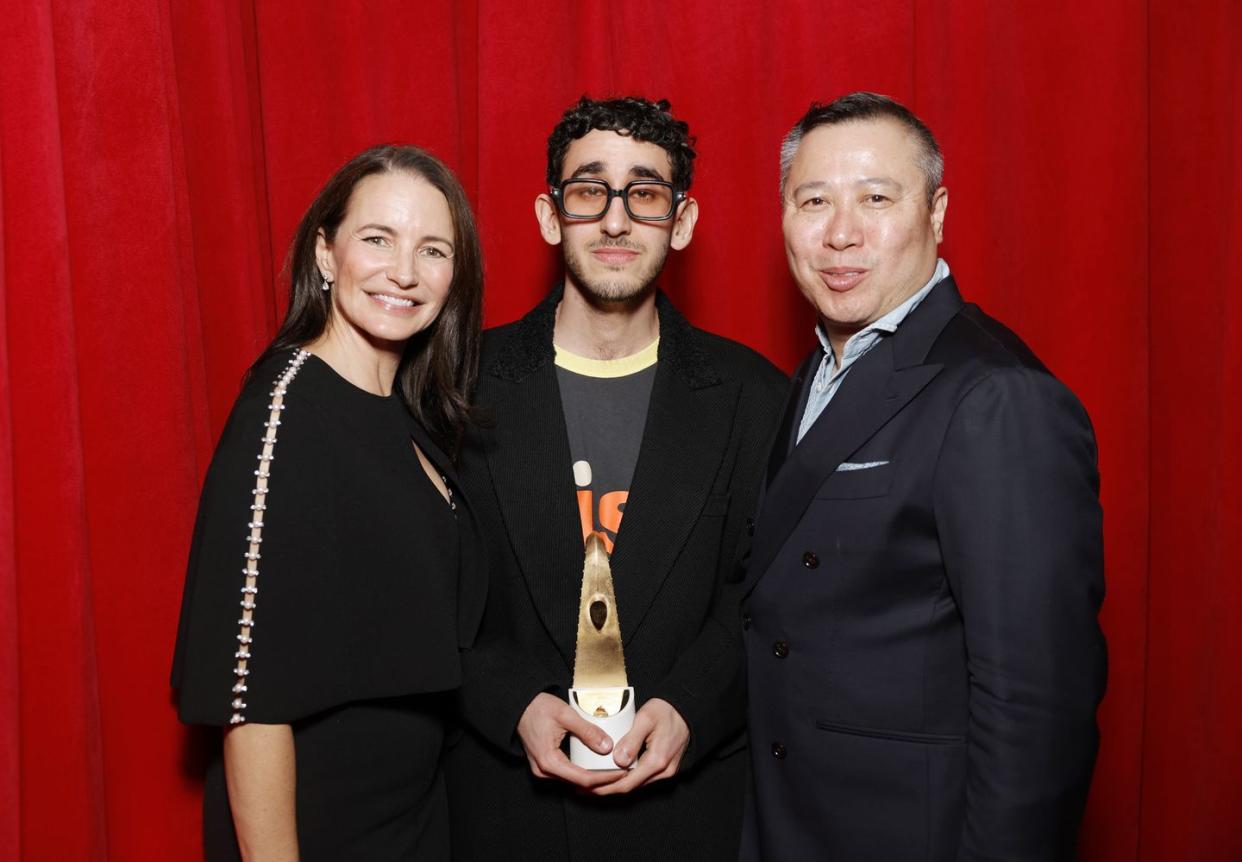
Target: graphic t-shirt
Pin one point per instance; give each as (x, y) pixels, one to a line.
(605, 403)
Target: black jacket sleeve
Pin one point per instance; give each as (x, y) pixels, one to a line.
(1020, 524)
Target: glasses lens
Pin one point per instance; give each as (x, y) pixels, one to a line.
(584, 198)
(649, 200)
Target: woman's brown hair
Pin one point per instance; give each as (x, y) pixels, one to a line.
(439, 365)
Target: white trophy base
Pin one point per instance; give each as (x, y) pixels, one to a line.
(616, 726)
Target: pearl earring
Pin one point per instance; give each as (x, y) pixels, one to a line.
(326, 284)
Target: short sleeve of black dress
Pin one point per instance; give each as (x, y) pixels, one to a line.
(314, 579)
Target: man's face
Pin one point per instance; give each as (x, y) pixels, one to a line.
(614, 258)
(859, 234)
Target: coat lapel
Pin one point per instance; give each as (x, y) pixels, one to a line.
(684, 439)
(787, 434)
(876, 388)
(689, 420)
(530, 465)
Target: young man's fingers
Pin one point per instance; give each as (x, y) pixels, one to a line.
(557, 765)
(592, 736)
(632, 743)
(636, 777)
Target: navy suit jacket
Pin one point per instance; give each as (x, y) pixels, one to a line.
(921, 603)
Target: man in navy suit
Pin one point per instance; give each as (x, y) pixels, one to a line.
(926, 571)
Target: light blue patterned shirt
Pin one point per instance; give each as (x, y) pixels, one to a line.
(828, 378)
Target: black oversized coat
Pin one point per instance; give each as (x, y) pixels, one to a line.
(713, 411)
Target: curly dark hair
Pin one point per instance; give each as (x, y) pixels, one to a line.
(639, 118)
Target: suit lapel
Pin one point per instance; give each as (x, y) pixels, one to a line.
(528, 458)
(787, 434)
(689, 419)
(686, 435)
(875, 389)
(529, 462)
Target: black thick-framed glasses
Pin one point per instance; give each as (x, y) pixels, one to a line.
(644, 200)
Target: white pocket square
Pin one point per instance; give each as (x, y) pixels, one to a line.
(846, 466)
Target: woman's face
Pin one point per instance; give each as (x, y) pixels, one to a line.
(391, 261)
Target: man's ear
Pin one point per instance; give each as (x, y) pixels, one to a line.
(549, 222)
(940, 203)
(323, 256)
(683, 224)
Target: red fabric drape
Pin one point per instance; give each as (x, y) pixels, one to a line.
(1190, 753)
(154, 159)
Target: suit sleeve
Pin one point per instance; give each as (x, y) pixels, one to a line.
(707, 684)
(499, 682)
(1017, 509)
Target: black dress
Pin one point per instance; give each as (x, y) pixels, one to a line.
(330, 586)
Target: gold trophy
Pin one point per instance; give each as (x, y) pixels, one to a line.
(600, 692)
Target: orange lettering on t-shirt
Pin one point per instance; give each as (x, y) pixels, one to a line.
(611, 507)
(610, 510)
(586, 515)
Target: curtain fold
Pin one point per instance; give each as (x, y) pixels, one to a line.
(1191, 752)
(56, 714)
(155, 158)
(10, 667)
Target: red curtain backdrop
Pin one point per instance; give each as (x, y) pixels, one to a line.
(155, 156)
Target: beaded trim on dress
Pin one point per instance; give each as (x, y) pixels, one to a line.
(254, 538)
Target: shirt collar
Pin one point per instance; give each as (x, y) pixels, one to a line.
(889, 322)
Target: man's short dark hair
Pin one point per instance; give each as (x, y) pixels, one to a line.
(639, 118)
(859, 106)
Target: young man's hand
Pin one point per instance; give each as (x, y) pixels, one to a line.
(662, 735)
(542, 728)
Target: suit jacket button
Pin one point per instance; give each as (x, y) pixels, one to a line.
(810, 560)
(750, 526)
(778, 750)
(780, 649)
(746, 621)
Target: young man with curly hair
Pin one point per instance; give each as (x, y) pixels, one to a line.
(613, 416)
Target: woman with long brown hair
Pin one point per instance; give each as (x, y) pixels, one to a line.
(331, 579)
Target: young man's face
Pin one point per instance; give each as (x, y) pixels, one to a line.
(614, 258)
